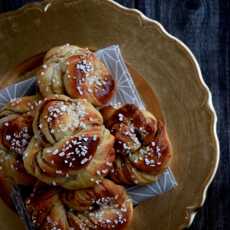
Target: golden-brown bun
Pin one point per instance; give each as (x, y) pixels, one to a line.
(76, 72)
(71, 147)
(105, 206)
(141, 143)
(15, 134)
(62, 52)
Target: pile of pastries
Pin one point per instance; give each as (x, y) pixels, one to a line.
(72, 151)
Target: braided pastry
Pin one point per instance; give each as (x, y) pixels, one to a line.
(141, 143)
(15, 133)
(71, 147)
(76, 72)
(105, 206)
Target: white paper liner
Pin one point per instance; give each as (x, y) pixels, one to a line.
(126, 93)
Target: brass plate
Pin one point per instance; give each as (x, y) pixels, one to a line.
(166, 64)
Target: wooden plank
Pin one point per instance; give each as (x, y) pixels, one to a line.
(204, 26)
(6, 5)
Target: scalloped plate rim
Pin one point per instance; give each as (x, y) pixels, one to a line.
(192, 209)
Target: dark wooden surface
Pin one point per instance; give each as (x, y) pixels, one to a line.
(204, 25)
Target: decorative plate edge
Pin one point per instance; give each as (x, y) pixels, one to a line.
(191, 210)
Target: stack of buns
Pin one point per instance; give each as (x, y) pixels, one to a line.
(73, 151)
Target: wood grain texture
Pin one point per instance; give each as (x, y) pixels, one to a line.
(204, 26)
